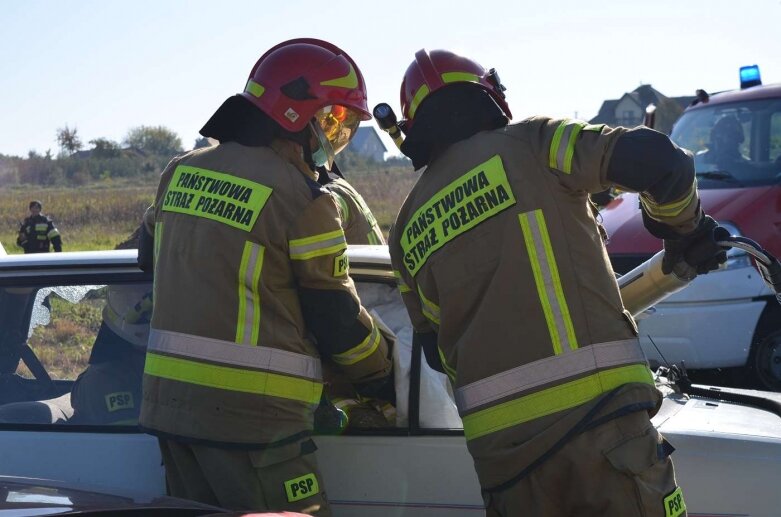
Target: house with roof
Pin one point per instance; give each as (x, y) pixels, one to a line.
(367, 143)
(629, 110)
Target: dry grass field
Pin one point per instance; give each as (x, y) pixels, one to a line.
(89, 218)
(102, 215)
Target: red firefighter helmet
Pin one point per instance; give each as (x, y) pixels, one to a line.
(432, 71)
(292, 81)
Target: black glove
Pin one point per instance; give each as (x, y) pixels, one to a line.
(383, 389)
(695, 253)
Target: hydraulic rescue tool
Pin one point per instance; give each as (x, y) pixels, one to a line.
(646, 285)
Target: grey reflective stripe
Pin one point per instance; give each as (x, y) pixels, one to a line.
(248, 326)
(546, 276)
(561, 152)
(310, 247)
(552, 369)
(217, 351)
(429, 308)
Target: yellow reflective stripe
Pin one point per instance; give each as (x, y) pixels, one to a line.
(673, 209)
(254, 89)
(232, 355)
(349, 81)
(233, 379)
(417, 99)
(430, 309)
(554, 146)
(597, 128)
(570, 152)
(403, 288)
(248, 324)
(453, 77)
(361, 351)
(451, 373)
(554, 369)
(562, 147)
(547, 281)
(52, 234)
(343, 205)
(552, 400)
(551, 259)
(41, 227)
(317, 245)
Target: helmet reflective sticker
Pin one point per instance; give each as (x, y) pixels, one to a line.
(291, 114)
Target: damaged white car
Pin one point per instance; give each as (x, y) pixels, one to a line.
(52, 309)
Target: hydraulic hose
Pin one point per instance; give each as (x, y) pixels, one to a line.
(768, 265)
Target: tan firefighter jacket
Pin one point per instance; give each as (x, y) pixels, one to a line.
(497, 250)
(360, 226)
(247, 246)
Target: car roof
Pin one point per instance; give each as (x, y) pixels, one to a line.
(364, 260)
(766, 91)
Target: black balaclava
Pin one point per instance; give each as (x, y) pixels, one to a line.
(447, 116)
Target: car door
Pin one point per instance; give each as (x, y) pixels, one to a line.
(53, 340)
(419, 468)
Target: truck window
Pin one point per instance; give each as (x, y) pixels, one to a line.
(735, 144)
(775, 139)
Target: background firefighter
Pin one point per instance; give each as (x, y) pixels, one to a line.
(252, 288)
(511, 294)
(37, 232)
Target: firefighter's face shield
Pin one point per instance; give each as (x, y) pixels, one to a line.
(333, 126)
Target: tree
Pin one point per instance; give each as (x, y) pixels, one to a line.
(156, 140)
(104, 148)
(68, 139)
(202, 142)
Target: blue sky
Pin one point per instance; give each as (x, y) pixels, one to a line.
(105, 67)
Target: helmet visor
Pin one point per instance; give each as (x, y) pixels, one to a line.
(339, 125)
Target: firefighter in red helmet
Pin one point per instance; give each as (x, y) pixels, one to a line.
(505, 276)
(252, 289)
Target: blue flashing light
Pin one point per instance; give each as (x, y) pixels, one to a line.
(749, 76)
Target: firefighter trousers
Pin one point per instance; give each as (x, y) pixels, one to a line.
(284, 478)
(618, 469)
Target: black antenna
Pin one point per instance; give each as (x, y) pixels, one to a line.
(659, 351)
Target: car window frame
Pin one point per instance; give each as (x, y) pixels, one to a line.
(97, 274)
